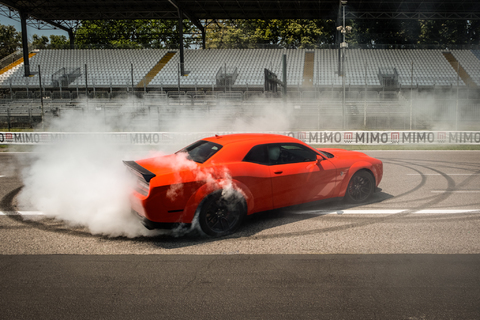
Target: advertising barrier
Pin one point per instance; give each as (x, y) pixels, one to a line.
(310, 137)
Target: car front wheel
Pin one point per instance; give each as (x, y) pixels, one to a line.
(360, 187)
(221, 215)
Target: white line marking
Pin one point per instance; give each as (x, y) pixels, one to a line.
(386, 212)
(318, 212)
(23, 213)
(366, 211)
(340, 212)
(31, 213)
(456, 191)
(447, 174)
(1, 176)
(440, 211)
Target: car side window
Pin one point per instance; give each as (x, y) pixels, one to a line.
(283, 153)
(257, 154)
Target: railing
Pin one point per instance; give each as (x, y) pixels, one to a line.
(388, 77)
(11, 58)
(307, 110)
(226, 76)
(65, 76)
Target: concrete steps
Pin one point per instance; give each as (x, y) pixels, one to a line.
(308, 69)
(461, 71)
(157, 68)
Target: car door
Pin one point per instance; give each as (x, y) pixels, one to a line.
(255, 174)
(299, 174)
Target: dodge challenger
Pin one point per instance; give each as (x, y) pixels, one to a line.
(221, 179)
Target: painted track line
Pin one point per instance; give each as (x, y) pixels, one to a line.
(456, 191)
(449, 211)
(22, 213)
(314, 212)
(385, 212)
(446, 174)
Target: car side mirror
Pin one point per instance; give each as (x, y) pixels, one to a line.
(320, 158)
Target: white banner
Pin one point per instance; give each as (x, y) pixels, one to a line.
(310, 137)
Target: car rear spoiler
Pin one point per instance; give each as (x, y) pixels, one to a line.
(139, 171)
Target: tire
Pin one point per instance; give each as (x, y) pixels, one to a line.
(220, 215)
(360, 187)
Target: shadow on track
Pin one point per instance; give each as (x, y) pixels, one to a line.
(250, 229)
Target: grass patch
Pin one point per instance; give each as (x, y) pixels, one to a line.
(16, 148)
(16, 130)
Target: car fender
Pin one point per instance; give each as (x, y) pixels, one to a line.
(357, 166)
(196, 199)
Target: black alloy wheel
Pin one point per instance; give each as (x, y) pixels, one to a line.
(360, 187)
(221, 215)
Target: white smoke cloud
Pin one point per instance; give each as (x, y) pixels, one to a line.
(216, 177)
(84, 182)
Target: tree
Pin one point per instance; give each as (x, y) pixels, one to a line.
(290, 33)
(58, 42)
(39, 42)
(131, 34)
(10, 40)
(412, 32)
(445, 32)
(222, 34)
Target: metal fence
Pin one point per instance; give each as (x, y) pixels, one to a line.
(304, 110)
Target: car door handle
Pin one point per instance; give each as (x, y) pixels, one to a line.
(278, 172)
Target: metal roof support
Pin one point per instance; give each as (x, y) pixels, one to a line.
(191, 17)
(180, 41)
(26, 62)
(71, 36)
(203, 37)
(338, 36)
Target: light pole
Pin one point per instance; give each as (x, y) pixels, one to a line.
(343, 29)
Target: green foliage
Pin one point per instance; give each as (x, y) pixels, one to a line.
(56, 42)
(411, 32)
(251, 33)
(10, 40)
(293, 33)
(130, 34)
(59, 42)
(448, 32)
(39, 42)
(372, 32)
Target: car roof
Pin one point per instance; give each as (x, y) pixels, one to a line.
(251, 137)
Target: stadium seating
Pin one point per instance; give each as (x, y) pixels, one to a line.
(469, 62)
(203, 66)
(476, 53)
(362, 66)
(105, 67)
(113, 67)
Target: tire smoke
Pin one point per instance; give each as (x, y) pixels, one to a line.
(83, 182)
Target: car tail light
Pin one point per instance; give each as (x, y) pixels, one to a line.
(143, 177)
(142, 187)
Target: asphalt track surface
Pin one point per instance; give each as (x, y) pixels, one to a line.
(412, 252)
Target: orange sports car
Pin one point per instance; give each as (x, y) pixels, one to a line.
(222, 179)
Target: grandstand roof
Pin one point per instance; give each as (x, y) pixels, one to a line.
(241, 9)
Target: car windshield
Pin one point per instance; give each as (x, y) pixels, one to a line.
(201, 150)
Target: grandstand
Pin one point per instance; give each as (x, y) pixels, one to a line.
(381, 88)
(123, 67)
(314, 96)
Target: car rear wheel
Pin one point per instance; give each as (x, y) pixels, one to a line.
(221, 215)
(360, 187)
